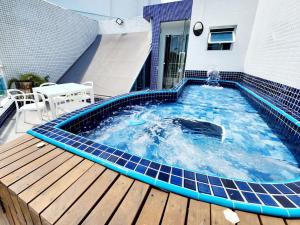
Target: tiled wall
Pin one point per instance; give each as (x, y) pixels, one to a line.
(36, 36)
(274, 49)
(284, 97)
(174, 11)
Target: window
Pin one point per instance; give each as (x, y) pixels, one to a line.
(221, 39)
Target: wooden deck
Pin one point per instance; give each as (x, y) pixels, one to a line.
(51, 186)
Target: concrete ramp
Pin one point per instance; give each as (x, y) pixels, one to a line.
(112, 62)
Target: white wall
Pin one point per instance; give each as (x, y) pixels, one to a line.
(136, 24)
(214, 13)
(274, 50)
(38, 37)
(115, 8)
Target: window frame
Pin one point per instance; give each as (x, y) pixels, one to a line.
(221, 42)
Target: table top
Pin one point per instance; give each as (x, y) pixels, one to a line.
(61, 89)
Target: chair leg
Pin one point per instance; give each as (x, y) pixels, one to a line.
(17, 120)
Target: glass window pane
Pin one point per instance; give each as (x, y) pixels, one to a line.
(221, 37)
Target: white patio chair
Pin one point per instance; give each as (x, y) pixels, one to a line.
(87, 96)
(70, 103)
(29, 102)
(12, 92)
(47, 84)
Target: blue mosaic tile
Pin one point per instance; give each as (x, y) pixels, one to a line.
(243, 186)
(234, 195)
(163, 176)
(154, 165)
(284, 201)
(166, 169)
(202, 178)
(215, 181)
(270, 188)
(151, 172)
(126, 156)
(250, 197)
(189, 184)
(283, 189)
(189, 175)
(228, 183)
(141, 169)
(121, 162)
(203, 188)
(176, 180)
(135, 159)
(131, 165)
(219, 191)
(145, 162)
(257, 188)
(112, 158)
(294, 187)
(176, 171)
(267, 200)
(295, 199)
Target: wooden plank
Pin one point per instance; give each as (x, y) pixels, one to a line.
(7, 215)
(33, 177)
(3, 218)
(217, 216)
(198, 213)
(128, 209)
(37, 188)
(31, 143)
(63, 202)
(248, 218)
(23, 161)
(268, 220)
(175, 210)
(8, 205)
(293, 221)
(153, 209)
(23, 171)
(15, 143)
(49, 195)
(17, 208)
(77, 212)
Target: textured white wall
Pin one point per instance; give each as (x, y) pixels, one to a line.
(36, 36)
(136, 24)
(274, 49)
(214, 13)
(116, 8)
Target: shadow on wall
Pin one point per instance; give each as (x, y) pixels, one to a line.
(77, 71)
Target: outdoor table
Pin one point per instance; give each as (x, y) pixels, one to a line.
(53, 91)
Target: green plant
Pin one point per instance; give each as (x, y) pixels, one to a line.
(36, 79)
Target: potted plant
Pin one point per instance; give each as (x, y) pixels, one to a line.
(27, 81)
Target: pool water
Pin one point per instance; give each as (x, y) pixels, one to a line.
(211, 130)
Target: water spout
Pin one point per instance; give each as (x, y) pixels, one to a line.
(213, 78)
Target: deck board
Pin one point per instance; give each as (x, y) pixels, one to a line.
(77, 213)
(63, 202)
(128, 209)
(199, 213)
(175, 212)
(153, 208)
(104, 209)
(248, 218)
(49, 186)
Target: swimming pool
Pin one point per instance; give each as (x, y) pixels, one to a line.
(168, 133)
(206, 143)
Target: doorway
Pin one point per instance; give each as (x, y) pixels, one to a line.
(174, 43)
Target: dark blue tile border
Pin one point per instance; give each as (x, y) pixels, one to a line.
(281, 199)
